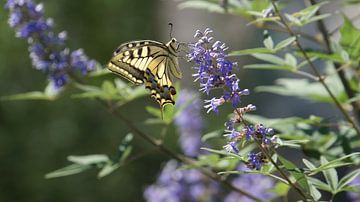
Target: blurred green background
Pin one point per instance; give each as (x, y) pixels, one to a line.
(37, 136)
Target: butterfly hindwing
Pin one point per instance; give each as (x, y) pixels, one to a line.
(149, 62)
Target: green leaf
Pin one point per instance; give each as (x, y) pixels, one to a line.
(302, 88)
(269, 43)
(335, 57)
(350, 39)
(210, 135)
(330, 174)
(347, 179)
(250, 51)
(285, 43)
(314, 192)
(50, 93)
(335, 163)
(294, 20)
(222, 152)
(290, 60)
(281, 189)
(269, 67)
(68, 170)
(99, 71)
(319, 184)
(34, 95)
(318, 17)
(89, 159)
(309, 164)
(108, 169)
(300, 178)
(109, 88)
(198, 4)
(269, 58)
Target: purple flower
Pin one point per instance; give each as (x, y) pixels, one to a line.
(47, 49)
(256, 184)
(213, 104)
(231, 147)
(214, 70)
(255, 161)
(189, 123)
(177, 185)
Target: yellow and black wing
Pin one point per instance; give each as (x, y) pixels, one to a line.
(149, 62)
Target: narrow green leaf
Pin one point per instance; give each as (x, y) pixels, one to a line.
(294, 20)
(222, 152)
(197, 4)
(319, 184)
(269, 67)
(269, 58)
(281, 189)
(210, 135)
(299, 176)
(89, 159)
(290, 60)
(335, 163)
(316, 194)
(153, 111)
(309, 164)
(350, 39)
(68, 170)
(335, 57)
(107, 169)
(269, 43)
(34, 95)
(318, 17)
(99, 71)
(250, 51)
(347, 179)
(284, 43)
(330, 174)
(301, 88)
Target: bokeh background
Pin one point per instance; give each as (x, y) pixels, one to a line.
(37, 136)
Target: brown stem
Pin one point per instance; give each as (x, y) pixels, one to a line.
(268, 156)
(348, 90)
(181, 158)
(159, 145)
(317, 73)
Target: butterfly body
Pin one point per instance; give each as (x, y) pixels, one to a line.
(149, 62)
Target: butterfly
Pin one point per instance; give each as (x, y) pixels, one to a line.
(151, 63)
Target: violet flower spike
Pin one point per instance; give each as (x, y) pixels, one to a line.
(47, 48)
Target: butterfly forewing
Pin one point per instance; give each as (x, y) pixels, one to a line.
(149, 62)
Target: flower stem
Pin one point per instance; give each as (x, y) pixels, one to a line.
(268, 156)
(349, 92)
(159, 145)
(317, 73)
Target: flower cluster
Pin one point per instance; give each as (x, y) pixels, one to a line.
(47, 49)
(256, 184)
(177, 185)
(189, 122)
(214, 71)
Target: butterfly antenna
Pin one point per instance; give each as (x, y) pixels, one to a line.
(171, 30)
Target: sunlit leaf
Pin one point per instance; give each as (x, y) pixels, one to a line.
(68, 170)
(89, 159)
(330, 175)
(299, 176)
(350, 39)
